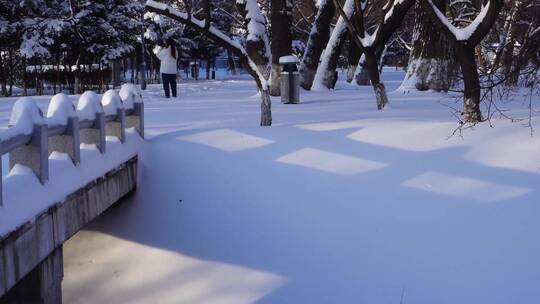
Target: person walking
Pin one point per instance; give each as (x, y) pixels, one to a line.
(168, 68)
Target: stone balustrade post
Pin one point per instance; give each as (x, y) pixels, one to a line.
(96, 134)
(69, 142)
(117, 127)
(136, 120)
(35, 154)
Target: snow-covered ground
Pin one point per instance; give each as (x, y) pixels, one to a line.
(335, 203)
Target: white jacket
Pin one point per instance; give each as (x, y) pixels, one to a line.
(168, 62)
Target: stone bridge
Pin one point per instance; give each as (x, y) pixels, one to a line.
(66, 168)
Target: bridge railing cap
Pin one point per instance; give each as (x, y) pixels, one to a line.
(24, 116)
(60, 110)
(130, 95)
(111, 102)
(89, 106)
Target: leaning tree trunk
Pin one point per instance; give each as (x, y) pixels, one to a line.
(378, 86)
(429, 58)
(324, 78)
(318, 38)
(281, 11)
(471, 82)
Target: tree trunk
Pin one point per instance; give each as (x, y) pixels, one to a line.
(362, 76)
(326, 70)
(318, 38)
(207, 67)
(25, 84)
(77, 84)
(123, 71)
(281, 11)
(354, 57)
(132, 67)
(429, 58)
(528, 53)
(11, 72)
(115, 73)
(266, 108)
(378, 87)
(101, 81)
(230, 63)
(471, 83)
(503, 54)
(3, 78)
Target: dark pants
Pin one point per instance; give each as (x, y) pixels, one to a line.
(169, 81)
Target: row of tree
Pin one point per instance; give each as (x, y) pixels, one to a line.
(82, 44)
(467, 45)
(59, 35)
(474, 34)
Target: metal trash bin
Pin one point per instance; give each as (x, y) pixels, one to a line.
(290, 79)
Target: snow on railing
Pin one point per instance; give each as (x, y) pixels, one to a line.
(31, 138)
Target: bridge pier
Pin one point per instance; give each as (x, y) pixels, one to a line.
(43, 285)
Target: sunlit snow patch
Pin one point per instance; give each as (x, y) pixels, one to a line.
(333, 126)
(155, 275)
(227, 140)
(464, 187)
(517, 151)
(410, 136)
(330, 162)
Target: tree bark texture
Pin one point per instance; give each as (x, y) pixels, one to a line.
(430, 57)
(281, 39)
(318, 38)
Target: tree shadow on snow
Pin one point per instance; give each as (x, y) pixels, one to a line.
(362, 227)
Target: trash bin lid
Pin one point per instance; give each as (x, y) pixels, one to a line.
(288, 59)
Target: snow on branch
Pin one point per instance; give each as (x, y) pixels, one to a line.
(219, 37)
(216, 34)
(395, 11)
(473, 32)
(256, 22)
(393, 17)
(257, 43)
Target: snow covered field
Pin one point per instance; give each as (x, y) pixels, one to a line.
(335, 203)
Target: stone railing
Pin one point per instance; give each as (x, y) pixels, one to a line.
(31, 137)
